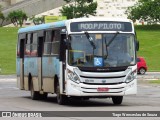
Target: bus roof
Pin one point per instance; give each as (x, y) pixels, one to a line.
(42, 26)
(65, 22)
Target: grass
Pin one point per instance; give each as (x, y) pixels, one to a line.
(154, 81)
(148, 36)
(8, 39)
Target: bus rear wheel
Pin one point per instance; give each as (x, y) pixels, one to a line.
(43, 96)
(61, 99)
(34, 94)
(117, 100)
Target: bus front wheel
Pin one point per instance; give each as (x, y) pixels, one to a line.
(117, 100)
(61, 99)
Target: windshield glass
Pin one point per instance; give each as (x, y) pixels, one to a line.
(111, 50)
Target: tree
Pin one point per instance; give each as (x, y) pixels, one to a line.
(2, 18)
(79, 8)
(37, 20)
(17, 17)
(147, 10)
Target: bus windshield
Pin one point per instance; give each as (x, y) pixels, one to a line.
(111, 50)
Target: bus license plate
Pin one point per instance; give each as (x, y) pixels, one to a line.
(102, 89)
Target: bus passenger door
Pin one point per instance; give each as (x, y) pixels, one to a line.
(63, 60)
(22, 44)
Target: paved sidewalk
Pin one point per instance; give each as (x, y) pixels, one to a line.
(8, 78)
(149, 76)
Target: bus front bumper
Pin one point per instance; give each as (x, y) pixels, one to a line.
(74, 89)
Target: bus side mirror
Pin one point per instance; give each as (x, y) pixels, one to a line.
(65, 43)
(68, 43)
(137, 45)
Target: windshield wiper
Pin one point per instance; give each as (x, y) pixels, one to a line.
(107, 45)
(112, 39)
(90, 39)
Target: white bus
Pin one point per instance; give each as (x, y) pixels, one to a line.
(78, 58)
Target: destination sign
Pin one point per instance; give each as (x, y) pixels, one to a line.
(101, 26)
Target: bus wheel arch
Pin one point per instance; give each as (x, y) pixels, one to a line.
(29, 80)
(61, 99)
(55, 82)
(34, 94)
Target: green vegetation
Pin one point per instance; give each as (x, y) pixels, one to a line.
(37, 20)
(79, 8)
(2, 18)
(148, 27)
(147, 35)
(17, 17)
(154, 81)
(145, 10)
(8, 39)
(149, 39)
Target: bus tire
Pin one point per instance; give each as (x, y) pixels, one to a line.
(117, 100)
(44, 96)
(34, 94)
(61, 99)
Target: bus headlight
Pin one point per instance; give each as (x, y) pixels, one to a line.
(131, 76)
(73, 76)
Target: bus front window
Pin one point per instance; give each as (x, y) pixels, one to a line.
(116, 53)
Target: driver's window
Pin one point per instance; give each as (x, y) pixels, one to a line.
(76, 57)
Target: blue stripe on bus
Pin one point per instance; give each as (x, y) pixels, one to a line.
(42, 26)
(31, 66)
(50, 66)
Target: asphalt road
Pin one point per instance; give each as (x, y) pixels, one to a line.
(13, 99)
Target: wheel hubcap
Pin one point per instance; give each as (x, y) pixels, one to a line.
(142, 71)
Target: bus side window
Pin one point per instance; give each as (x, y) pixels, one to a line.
(28, 44)
(22, 42)
(47, 43)
(18, 47)
(56, 42)
(34, 45)
(21, 45)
